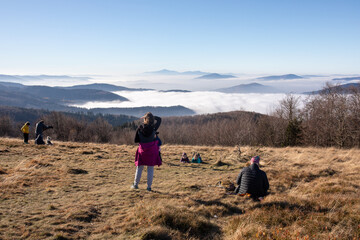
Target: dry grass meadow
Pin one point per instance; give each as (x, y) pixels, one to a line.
(82, 191)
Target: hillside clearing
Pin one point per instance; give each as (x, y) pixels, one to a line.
(82, 191)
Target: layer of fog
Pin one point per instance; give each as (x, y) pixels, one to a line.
(201, 102)
(159, 82)
(202, 99)
(168, 82)
(190, 82)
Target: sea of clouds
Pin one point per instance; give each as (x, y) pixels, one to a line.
(201, 102)
(202, 98)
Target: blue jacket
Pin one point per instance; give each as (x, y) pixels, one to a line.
(193, 160)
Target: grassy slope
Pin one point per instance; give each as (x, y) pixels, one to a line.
(45, 193)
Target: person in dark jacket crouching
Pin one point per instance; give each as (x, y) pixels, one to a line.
(39, 129)
(252, 181)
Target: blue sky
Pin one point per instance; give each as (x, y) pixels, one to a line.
(114, 37)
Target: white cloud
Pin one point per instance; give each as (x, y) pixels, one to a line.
(201, 102)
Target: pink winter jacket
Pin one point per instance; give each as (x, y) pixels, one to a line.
(148, 154)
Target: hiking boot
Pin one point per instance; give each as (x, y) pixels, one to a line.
(134, 187)
(149, 189)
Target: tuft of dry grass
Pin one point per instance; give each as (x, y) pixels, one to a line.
(82, 191)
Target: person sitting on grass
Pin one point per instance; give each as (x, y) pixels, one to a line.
(48, 141)
(196, 158)
(184, 158)
(252, 181)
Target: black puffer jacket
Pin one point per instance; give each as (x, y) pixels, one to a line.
(252, 180)
(146, 133)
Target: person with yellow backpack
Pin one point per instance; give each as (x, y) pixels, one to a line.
(25, 130)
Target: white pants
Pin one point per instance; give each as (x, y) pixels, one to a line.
(150, 175)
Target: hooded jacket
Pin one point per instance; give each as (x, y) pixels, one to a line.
(25, 128)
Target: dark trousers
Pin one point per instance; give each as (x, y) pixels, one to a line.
(26, 137)
(39, 139)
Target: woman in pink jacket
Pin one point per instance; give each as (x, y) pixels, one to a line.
(147, 153)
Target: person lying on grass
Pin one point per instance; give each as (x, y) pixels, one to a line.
(252, 181)
(196, 158)
(184, 158)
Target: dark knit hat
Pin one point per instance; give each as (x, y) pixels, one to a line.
(255, 159)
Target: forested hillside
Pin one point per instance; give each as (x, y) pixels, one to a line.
(331, 118)
(21, 115)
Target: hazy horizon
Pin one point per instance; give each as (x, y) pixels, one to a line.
(187, 82)
(118, 42)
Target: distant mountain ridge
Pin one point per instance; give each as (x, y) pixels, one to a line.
(346, 79)
(175, 90)
(249, 88)
(171, 72)
(59, 98)
(59, 94)
(281, 77)
(139, 111)
(12, 85)
(215, 76)
(52, 98)
(106, 87)
(72, 95)
(22, 78)
(344, 88)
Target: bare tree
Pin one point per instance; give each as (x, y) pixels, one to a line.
(288, 107)
(7, 127)
(100, 130)
(289, 111)
(354, 118)
(329, 118)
